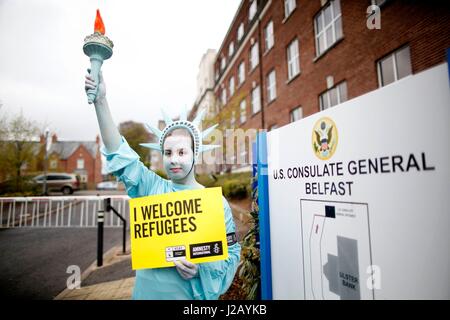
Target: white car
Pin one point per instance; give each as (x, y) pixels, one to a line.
(108, 185)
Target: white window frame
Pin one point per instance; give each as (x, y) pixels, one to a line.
(291, 114)
(293, 59)
(327, 94)
(53, 164)
(256, 100)
(252, 10)
(289, 7)
(243, 111)
(394, 65)
(269, 39)
(223, 63)
(240, 32)
(271, 86)
(231, 48)
(334, 19)
(223, 97)
(80, 163)
(231, 86)
(254, 56)
(241, 73)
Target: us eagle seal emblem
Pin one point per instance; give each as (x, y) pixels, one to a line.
(324, 138)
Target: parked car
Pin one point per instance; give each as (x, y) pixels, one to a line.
(108, 185)
(66, 183)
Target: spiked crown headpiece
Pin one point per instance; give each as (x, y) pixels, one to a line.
(192, 127)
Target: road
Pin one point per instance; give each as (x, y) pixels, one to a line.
(34, 261)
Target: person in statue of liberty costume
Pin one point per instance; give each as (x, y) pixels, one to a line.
(181, 144)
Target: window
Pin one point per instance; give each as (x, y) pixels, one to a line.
(224, 97)
(328, 26)
(53, 164)
(231, 49)
(252, 10)
(223, 63)
(256, 100)
(293, 59)
(254, 58)
(240, 32)
(271, 86)
(241, 72)
(395, 66)
(80, 163)
(289, 6)
(268, 36)
(231, 86)
(333, 96)
(243, 114)
(296, 114)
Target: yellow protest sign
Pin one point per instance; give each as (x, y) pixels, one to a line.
(187, 225)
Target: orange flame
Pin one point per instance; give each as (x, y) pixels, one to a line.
(99, 26)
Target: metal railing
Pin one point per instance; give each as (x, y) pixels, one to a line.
(69, 211)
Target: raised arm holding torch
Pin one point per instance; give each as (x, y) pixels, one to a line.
(98, 48)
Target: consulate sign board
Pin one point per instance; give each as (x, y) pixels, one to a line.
(359, 196)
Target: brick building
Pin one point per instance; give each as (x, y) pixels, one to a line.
(79, 157)
(205, 100)
(282, 60)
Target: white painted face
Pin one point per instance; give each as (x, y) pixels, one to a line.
(178, 157)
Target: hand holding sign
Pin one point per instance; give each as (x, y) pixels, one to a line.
(186, 269)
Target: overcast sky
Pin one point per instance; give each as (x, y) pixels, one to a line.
(157, 49)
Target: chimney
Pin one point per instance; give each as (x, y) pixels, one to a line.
(97, 139)
(41, 139)
(54, 138)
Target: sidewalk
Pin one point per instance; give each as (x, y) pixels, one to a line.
(113, 290)
(96, 283)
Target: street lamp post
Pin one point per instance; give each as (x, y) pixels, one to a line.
(45, 161)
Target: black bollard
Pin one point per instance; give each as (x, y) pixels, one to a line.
(100, 218)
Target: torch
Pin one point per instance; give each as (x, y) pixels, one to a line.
(97, 47)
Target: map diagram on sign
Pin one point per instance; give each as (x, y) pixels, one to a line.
(336, 250)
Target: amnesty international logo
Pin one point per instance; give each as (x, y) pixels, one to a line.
(324, 138)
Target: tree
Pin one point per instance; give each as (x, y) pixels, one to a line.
(135, 133)
(16, 146)
(3, 123)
